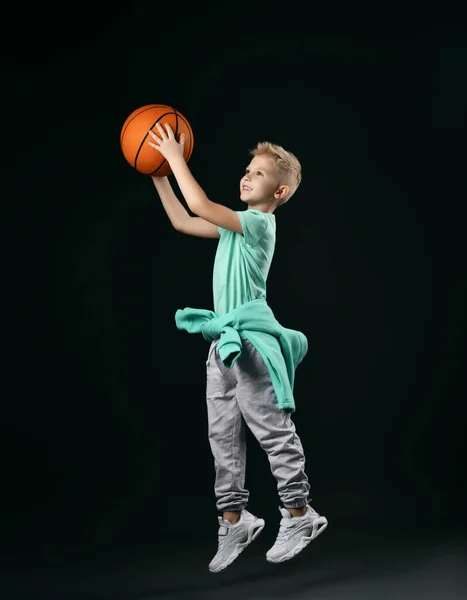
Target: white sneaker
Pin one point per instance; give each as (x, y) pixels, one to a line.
(233, 539)
(295, 533)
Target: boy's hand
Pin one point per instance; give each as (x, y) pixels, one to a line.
(166, 144)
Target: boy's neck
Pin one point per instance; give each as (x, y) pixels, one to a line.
(263, 207)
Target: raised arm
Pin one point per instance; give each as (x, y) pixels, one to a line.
(179, 217)
(198, 202)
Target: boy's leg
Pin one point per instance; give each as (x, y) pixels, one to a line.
(239, 527)
(276, 433)
(274, 430)
(226, 431)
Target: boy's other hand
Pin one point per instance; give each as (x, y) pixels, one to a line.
(166, 143)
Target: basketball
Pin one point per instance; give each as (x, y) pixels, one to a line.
(134, 137)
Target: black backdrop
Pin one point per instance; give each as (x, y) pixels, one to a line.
(103, 398)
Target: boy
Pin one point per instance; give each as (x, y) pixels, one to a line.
(252, 358)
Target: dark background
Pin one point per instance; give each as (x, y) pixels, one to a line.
(103, 412)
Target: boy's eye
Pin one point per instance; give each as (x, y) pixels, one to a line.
(258, 173)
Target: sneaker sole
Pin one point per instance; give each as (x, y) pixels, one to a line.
(253, 532)
(303, 543)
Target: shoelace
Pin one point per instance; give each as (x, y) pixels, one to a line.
(284, 528)
(283, 534)
(221, 541)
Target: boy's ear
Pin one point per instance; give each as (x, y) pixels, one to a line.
(282, 191)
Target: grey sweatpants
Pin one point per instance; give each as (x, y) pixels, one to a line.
(245, 395)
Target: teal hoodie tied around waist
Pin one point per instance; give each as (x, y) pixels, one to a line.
(282, 349)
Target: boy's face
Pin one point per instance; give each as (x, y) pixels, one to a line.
(259, 181)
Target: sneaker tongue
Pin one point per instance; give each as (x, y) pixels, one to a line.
(285, 513)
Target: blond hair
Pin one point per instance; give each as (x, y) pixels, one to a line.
(287, 165)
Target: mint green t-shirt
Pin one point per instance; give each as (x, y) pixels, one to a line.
(242, 262)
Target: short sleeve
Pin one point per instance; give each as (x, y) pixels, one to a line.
(254, 225)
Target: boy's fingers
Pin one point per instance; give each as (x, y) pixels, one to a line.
(161, 129)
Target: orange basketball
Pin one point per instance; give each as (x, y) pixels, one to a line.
(134, 137)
